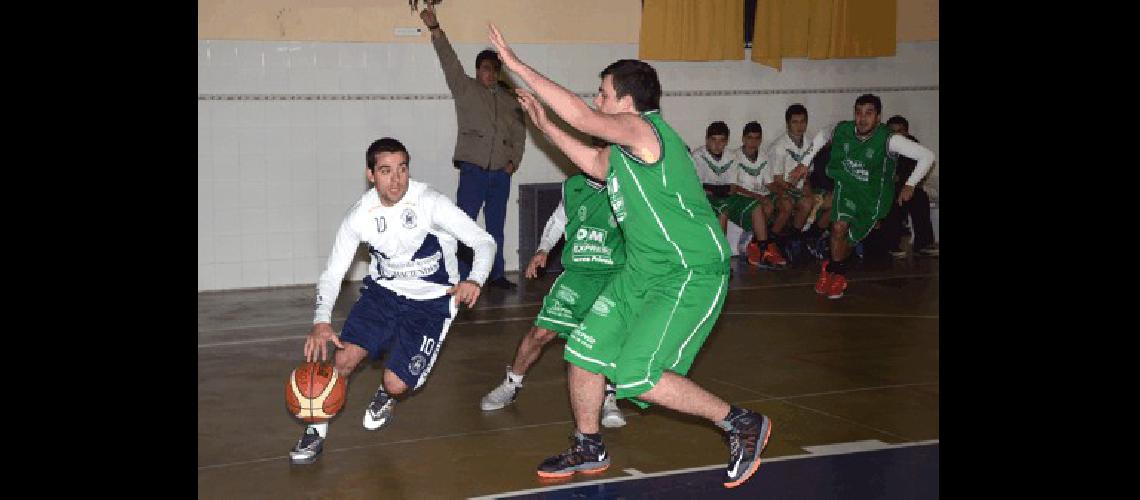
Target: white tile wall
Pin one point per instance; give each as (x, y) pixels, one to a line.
(276, 176)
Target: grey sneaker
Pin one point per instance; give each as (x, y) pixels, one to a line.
(500, 396)
(308, 448)
(379, 411)
(747, 436)
(611, 414)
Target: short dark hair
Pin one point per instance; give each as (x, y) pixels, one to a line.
(871, 99)
(385, 145)
(752, 127)
(636, 79)
(898, 120)
(795, 109)
(716, 128)
(489, 54)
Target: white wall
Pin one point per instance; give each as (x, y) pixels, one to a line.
(282, 129)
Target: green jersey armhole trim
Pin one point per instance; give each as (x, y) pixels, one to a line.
(660, 143)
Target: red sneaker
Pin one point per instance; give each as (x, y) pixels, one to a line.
(836, 286)
(821, 284)
(753, 253)
(772, 256)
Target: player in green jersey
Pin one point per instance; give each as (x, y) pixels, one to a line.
(647, 325)
(594, 252)
(862, 163)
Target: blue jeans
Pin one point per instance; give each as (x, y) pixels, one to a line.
(489, 190)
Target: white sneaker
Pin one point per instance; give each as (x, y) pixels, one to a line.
(611, 414)
(500, 396)
(379, 411)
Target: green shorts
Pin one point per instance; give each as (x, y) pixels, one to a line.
(719, 203)
(643, 324)
(739, 210)
(860, 207)
(569, 299)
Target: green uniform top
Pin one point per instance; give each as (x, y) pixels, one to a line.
(594, 242)
(864, 165)
(662, 208)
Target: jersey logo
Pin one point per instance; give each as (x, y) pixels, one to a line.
(602, 306)
(381, 225)
(417, 365)
(582, 213)
(856, 169)
(870, 154)
(409, 218)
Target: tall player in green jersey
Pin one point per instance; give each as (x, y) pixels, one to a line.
(594, 253)
(862, 163)
(647, 325)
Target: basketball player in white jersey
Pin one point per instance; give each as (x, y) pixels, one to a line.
(411, 293)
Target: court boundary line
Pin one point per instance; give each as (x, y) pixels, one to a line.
(827, 453)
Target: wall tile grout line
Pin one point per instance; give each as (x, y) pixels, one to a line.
(447, 97)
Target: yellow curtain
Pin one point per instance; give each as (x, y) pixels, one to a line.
(692, 30)
(823, 29)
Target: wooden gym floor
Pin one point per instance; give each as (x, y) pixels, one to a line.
(851, 385)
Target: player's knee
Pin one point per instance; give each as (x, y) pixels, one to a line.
(393, 384)
(542, 335)
(344, 363)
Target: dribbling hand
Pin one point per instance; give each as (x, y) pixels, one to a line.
(318, 339)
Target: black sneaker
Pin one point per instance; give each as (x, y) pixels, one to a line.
(308, 448)
(747, 435)
(379, 411)
(502, 282)
(587, 456)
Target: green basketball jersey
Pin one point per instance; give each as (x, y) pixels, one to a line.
(662, 208)
(594, 242)
(861, 164)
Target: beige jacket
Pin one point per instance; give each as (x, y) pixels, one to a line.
(491, 125)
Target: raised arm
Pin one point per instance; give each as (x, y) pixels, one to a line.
(457, 80)
(594, 161)
(626, 129)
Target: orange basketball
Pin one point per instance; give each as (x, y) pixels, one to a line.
(314, 392)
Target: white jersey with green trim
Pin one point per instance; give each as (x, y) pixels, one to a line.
(753, 175)
(714, 171)
(784, 155)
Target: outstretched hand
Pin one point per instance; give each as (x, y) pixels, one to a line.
(533, 108)
(510, 60)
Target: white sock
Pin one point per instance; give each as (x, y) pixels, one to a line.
(322, 428)
(610, 389)
(515, 379)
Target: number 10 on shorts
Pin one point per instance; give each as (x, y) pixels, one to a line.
(427, 345)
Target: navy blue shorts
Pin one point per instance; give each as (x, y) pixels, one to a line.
(410, 331)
